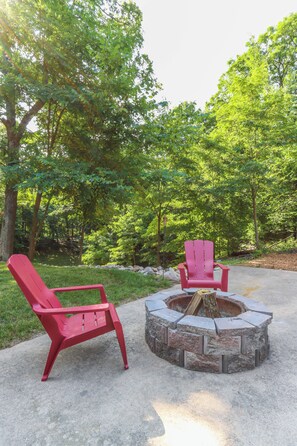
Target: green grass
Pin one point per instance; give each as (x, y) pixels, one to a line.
(17, 320)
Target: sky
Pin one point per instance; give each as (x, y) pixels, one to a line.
(191, 41)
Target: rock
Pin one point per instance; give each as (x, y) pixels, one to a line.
(172, 275)
(160, 271)
(137, 268)
(148, 270)
(169, 273)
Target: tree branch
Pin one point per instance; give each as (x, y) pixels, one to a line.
(4, 122)
(56, 128)
(29, 115)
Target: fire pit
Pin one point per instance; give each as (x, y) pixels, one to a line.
(235, 342)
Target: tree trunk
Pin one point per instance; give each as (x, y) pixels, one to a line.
(159, 239)
(14, 136)
(67, 227)
(134, 257)
(255, 218)
(11, 195)
(81, 242)
(210, 303)
(11, 200)
(34, 227)
(37, 226)
(8, 222)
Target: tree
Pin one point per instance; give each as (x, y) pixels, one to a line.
(169, 166)
(83, 55)
(253, 116)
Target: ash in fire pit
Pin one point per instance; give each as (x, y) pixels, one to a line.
(235, 341)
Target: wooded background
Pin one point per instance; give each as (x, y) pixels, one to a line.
(91, 162)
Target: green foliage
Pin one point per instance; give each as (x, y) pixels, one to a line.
(289, 244)
(254, 129)
(126, 179)
(77, 68)
(98, 245)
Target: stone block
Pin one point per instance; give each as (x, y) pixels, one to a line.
(163, 295)
(222, 345)
(150, 340)
(173, 355)
(238, 363)
(203, 363)
(198, 325)
(264, 352)
(166, 317)
(259, 320)
(156, 330)
(186, 341)
(190, 290)
(153, 305)
(252, 305)
(158, 296)
(232, 326)
(225, 294)
(254, 341)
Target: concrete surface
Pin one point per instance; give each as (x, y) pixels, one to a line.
(90, 400)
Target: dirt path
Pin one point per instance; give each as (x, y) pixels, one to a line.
(287, 261)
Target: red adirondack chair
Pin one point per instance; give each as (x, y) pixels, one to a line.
(198, 270)
(87, 321)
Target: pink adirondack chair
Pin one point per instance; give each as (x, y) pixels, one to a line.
(198, 270)
(85, 323)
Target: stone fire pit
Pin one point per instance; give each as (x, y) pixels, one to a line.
(235, 342)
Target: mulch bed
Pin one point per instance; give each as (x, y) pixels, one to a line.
(287, 261)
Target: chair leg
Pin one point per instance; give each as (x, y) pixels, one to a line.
(225, 280)
(121, 341)
(52, 355)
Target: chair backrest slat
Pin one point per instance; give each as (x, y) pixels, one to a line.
(36, 292)
(199, 259)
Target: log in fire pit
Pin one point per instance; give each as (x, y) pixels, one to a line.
(235, 341)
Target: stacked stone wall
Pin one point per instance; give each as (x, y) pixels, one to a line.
(220, 345)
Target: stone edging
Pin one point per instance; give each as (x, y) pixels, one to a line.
(222, 345)
(167, 273)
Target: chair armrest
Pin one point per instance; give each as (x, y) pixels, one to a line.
(223, 267)
(225, 270)
(70, 310)
(182, 267)
(114, 315)
(83, 288)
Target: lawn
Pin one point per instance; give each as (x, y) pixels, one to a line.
(17, 320)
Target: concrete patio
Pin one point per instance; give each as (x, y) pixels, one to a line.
(90, 400)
